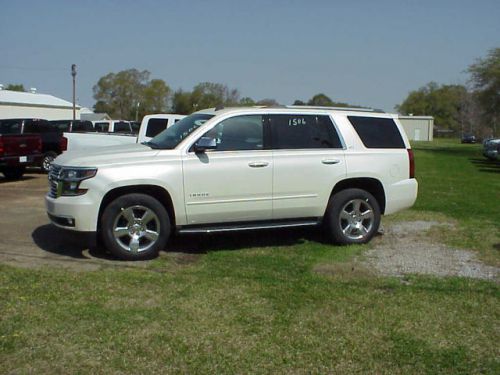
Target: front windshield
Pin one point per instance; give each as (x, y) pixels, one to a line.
(175, 134)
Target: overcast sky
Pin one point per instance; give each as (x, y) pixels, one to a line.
(369, 53)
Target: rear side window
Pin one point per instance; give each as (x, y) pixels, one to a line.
(102, 127)
(377, 132)
(303, 132)
(122, 127)
(62, 126)
(156, 126)
(83, 126)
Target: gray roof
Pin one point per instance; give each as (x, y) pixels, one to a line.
(8, 97)
(94, 116)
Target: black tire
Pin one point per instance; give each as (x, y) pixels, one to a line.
(47, 159)
(135, 227)
(13, 173)
(352, 217)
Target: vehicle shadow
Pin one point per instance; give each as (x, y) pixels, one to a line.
(204, 243)
(67, 243)
(485, 165)
(79, 246)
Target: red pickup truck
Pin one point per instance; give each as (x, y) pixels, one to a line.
(17, 151)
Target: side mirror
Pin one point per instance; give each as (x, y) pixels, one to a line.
(205, 143)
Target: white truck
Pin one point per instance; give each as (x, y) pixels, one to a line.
(117, 132)
(239, 169)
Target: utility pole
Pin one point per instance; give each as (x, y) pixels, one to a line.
(73, 74)
(137, 111)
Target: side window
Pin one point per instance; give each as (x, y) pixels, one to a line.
(122, 127)
(156, 126)
(102, 127)
(238, 133)
(303, 132)
(377, 132)
(10, 126)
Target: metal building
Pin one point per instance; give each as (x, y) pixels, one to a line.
(15, 104)
(418, 128)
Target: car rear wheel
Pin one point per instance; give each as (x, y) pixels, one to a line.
(135, 227)
(353, 217)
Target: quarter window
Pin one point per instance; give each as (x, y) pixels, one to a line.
(303, 132)
(377, 132)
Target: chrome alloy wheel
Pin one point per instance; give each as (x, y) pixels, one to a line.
(136, 228)
(356, 219)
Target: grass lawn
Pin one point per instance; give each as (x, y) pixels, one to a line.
(255, 303)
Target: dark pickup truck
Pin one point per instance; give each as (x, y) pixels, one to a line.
(17, 151)
(53, 141)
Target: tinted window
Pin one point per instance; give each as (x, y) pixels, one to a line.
(238, 133)
(102, 127)
(83, 126)
(377, 132)
(122, 127)
(303, 131)
(61, 125)
(10, 126)
(156, 126)
(38, 126)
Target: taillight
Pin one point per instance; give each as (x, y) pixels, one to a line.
(2, 149)
(412, 162)
(63, 143)
(39, 144)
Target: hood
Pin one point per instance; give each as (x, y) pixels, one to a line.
(114, 155)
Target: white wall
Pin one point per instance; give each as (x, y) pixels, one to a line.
(48, 113)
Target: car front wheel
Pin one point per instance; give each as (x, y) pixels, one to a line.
(353, 217)
(135, 227)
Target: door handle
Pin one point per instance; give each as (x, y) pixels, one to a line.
(330, 161)
(258, 164)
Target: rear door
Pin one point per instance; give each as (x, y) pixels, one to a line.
(308, 158)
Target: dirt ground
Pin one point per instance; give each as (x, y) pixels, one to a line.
(27, 239)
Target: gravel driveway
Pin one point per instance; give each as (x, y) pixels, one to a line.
(405, 249)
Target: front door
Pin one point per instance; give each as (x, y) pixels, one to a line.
(232, 183)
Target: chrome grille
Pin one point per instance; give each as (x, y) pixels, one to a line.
(54, 175)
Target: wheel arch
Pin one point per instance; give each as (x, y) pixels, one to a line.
(371, 185)
(154, 191)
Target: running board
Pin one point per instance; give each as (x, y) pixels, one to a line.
(233, 227)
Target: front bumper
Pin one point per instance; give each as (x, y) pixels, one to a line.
(78, 213)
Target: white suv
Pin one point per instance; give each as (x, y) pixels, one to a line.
(239, 169)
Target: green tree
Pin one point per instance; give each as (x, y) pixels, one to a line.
(181, 102)
(247, 102)
(485, 79)
(155, 97)
(15, 87)
(119, 94)
(320, 100)
(444, 103)
(268, 102)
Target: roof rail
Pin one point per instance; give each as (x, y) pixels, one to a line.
(350, 109)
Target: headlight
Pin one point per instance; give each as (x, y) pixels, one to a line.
(70, 179)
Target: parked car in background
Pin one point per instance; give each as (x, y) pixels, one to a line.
(73, 126)
(469, 138)
(491, 148)
(53, 141)
(113, 126)
(17, 151)
(152, 125)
